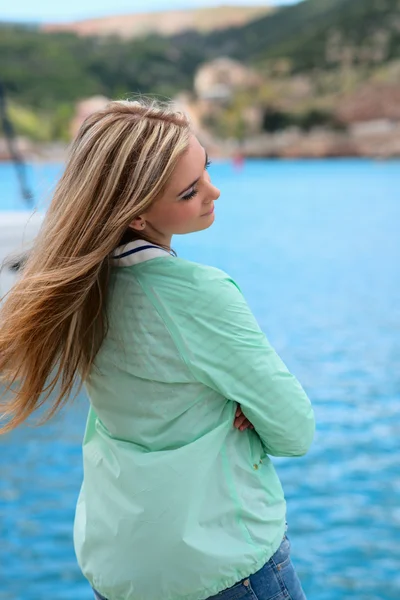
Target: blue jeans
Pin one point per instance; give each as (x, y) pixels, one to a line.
(276, 580)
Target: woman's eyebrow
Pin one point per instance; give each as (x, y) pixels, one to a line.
(194, 182)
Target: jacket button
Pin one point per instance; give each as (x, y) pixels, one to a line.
(246, 582)
(255, 467)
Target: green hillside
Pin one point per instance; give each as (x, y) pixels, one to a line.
(43, 69)
(317, 33)
(46, 73)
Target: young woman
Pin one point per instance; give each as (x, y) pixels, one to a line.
(188, 400)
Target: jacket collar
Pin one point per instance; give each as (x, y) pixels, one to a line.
(136, 252)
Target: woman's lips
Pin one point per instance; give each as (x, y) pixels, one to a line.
(209, 212)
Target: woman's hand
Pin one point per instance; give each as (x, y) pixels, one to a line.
(240, 421)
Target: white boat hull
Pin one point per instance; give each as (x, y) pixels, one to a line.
(17, 232)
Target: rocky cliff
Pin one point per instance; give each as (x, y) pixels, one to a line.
(165, 23)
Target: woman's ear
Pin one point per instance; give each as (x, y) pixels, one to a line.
(138, 224)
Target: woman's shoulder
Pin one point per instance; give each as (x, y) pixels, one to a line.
(184, 277)
(198, 274)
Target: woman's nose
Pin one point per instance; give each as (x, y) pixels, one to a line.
(215, 192)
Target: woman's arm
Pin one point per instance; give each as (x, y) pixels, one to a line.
(225, 349)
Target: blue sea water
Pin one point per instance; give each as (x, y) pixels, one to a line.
(315, 247)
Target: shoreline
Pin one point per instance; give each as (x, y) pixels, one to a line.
(287, 144)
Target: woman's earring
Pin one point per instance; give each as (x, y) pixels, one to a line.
(143, 224)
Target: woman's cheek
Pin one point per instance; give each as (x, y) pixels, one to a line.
(174, 219)
(176, 216)
(188, 211)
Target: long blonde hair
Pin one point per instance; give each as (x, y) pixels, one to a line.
(53, 321)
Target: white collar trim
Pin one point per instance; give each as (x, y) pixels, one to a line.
(136, 252)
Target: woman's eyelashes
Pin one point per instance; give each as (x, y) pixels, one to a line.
(191, 194)
(194, 192)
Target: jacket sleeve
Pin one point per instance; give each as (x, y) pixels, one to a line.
(226, 350)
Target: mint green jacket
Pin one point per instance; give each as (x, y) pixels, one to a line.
(177, 504)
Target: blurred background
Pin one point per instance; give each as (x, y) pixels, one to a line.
(298, 104)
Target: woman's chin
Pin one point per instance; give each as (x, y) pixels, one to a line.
(208, 220)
